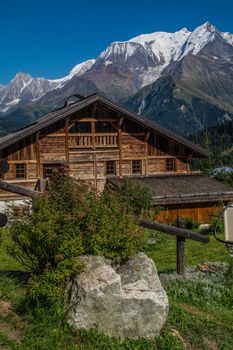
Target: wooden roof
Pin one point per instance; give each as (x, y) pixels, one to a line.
(61, 113)
(184, 188)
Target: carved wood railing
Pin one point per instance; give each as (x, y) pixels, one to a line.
(97, 140)
(80, 141)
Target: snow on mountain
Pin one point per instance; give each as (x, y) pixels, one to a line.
(147, 55)
(228, 37)
(14, 88)
(128, 65)
(200, 37)
(23, 87)
(81, 68)
(78, 70)
(165, 45)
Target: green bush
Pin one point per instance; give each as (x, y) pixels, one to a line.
(213, 220)
(138, 198)
(191, 224)
(68, 222)
(225, 177)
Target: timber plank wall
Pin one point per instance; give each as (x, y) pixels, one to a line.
(86, 141)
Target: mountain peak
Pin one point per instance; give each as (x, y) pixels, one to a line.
(208, 26)
(125, 66)
(23, 77)
(81, 68)
(184, 30)
(201, 36)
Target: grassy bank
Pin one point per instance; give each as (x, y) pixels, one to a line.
(163, 251)
(200, 315)
(6, 261)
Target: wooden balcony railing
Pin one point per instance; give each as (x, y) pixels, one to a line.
(97, 140)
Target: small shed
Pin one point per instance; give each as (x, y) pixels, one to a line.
(196, 196)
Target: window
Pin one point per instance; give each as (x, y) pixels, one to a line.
(170, 164)
(20, 171)
(111, 167)
(49, 170)
(136, 166)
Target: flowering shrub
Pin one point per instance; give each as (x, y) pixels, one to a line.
(69, 221)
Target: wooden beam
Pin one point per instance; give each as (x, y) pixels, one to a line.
(180, 255)
(67, 140)
(93, 145)
(38, 153)
(147, 135)
(19, 190)
(120, 121)
(71, 125)
(180, 247)
(176, 231)
(94, 109)
(56, 135)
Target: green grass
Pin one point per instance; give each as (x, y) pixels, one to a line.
(200, 307)
(163, 252)
(6, 261)
(44, 328)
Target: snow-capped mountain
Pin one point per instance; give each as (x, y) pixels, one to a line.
(138, 62)
(77, 71)
(194, 65)
(24, 88)
(196, 90)
(81, 68)
(128, 65)
(132, 64)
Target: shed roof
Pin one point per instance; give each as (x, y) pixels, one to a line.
(184, 188)
(61, 113)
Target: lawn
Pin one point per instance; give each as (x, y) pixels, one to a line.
(163, 252)
(200, 311)
(6, 261)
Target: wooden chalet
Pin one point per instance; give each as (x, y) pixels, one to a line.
(97, 139)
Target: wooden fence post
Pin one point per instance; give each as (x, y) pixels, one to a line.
(180, 248)
(181, 234)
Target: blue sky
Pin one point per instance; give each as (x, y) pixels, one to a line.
(47, 38)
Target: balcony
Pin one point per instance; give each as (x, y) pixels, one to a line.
(89, 140)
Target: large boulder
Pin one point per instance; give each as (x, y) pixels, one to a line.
(125, 302)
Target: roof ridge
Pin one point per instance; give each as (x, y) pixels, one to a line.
(56, 115)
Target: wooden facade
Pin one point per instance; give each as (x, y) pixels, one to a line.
(95, 139)
(199, 212)
(94, 142)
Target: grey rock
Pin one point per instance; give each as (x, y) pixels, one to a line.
(125, 302)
